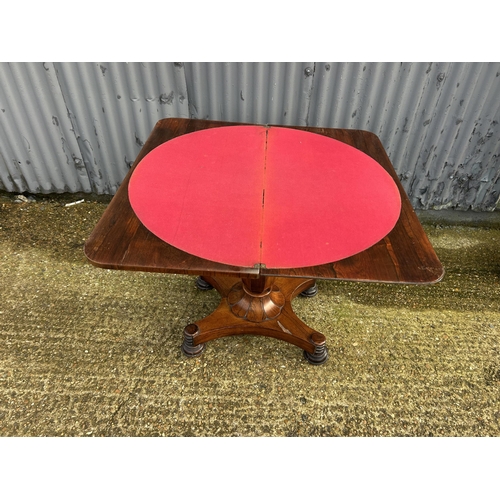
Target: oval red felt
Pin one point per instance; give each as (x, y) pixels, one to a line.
(273, 196)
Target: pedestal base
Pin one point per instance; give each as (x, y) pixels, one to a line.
(260, 306)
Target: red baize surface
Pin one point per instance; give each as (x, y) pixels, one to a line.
(246, 195)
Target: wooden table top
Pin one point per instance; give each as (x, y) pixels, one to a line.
(262, 196)
(405, 255)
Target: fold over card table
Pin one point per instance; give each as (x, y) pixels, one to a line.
(260, 213)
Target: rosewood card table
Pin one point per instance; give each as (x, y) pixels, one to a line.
(260, 213)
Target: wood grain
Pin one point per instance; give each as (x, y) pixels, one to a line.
(258, 300)
(120, 241)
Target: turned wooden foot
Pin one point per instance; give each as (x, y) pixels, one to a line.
(310, 292)
(188, 348)
(203, 285)
(320, 354)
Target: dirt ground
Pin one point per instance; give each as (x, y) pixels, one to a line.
(92, 352)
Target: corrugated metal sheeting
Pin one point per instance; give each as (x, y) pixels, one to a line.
(70, 127)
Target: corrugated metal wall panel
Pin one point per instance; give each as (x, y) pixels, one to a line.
(78, 126)
(113, 107)
(434, 120)
(250, 92)
(37, 147)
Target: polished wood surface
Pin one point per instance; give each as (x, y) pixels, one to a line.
(120, 241)
(261, 306)
(257, 300)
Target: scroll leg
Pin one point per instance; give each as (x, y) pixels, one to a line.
(312, 342)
